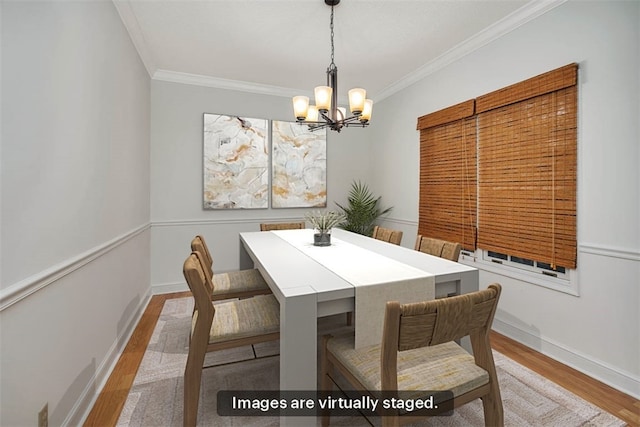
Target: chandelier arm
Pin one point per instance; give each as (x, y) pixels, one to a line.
(359, 125)
(329, 121)
(326, 118)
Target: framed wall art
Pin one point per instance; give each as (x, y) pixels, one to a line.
(236, 162)
(298, 166)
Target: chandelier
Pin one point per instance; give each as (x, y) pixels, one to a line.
(326, 113)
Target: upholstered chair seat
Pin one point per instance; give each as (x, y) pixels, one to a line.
(240, 281)
(443, 367)
(243, 318)
(230, 284)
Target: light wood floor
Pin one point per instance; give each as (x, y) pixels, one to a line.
(108, 406)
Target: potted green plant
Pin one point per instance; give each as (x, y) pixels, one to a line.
(362, 211)
(322, 223)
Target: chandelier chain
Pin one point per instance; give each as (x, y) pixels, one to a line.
(331, 26)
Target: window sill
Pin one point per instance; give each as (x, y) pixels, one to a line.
(561, 285)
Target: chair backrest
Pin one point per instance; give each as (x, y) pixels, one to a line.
(451, 251)
(442, 320)
(199, 245)
(429, 245)
(387, 235)
(433, 322)
(282, 226)
(439, 248)
(201, 288)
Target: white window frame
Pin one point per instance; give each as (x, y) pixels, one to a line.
(566, 282)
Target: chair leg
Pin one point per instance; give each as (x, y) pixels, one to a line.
(390, 421)
(492, 406)
(192, 381)
(325, 381)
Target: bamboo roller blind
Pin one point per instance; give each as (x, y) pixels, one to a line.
(447, 115)
(447, 209)
(526, 168)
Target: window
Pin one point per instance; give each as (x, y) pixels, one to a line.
(526, 264)
(559, 278)
(502, 169)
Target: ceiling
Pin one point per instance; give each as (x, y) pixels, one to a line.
(283, 46)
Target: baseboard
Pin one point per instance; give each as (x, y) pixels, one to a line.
(169, 288)
(626, 382)
(87, 399)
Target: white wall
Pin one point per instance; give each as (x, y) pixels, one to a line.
(75, 229)
(599, 331)
(176, 175)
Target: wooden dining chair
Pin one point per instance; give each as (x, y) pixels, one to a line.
(387, 235)
(439, 248)
(418, 352)
(219, 326)
(282, 226)
(230, 284)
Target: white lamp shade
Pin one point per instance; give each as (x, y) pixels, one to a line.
(367, 110)
(300, 106)
(356, 100)
(323, 98)
(312, 114)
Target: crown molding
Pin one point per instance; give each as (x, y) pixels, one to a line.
(135, 33)
(215, 82)
(237, 85)
(511, 22)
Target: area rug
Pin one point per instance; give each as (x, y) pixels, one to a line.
(155, 398)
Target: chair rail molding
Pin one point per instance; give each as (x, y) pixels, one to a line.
(24, 288)
(609, 251)
(410, 223)
(190, 222)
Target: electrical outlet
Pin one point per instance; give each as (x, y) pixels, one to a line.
(43, 416)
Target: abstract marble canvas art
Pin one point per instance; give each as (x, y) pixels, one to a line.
(236, 162)
(299, 166)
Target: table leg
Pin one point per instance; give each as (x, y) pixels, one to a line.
(298, 348)
(468, 282)
(245, 259)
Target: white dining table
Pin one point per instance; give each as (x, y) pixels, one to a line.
(354, 272)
